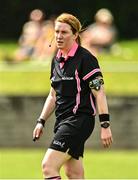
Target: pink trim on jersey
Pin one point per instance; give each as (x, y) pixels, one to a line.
(91, 73)
(92, 104)
(71, 52)
(78, 94)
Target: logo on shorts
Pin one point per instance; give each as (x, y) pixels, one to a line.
(58, 143)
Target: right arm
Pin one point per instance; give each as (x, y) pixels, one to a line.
(48, 109)
(49, 105)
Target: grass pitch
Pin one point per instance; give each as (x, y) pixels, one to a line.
(105, 164)
(120, 70)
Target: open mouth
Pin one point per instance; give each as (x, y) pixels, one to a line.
(59, 42)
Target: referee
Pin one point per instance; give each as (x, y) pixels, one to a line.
(76, 89)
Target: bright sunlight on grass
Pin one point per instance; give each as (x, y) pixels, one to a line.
(120, 69)
(26, 164)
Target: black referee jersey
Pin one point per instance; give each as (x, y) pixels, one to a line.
(71, 83)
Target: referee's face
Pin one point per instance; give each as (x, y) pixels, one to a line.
(64, 36)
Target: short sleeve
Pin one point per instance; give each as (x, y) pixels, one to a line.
(90, 68)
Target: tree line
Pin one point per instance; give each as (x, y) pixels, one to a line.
(13, 14)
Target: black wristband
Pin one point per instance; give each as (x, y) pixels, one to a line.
(104, 117)
(41, 121)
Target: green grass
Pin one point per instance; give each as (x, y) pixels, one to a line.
(20, 83)
(33, 79)
(121, 84)
(122, 51)
(120, 69)
(28, 78)
(7, 48)
(26, 163)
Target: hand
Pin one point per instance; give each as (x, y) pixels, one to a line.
(106, 137)
(37, 131)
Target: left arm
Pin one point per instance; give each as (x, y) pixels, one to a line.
(101, 101)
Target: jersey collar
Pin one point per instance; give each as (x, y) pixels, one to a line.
(71, 52)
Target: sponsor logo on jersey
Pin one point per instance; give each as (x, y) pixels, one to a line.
(67, 78)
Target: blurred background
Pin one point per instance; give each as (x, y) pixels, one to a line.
(111, 34)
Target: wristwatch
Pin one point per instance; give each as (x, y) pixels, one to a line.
(105, 125)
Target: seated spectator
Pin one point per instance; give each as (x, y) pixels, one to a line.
(45, 46)
(30, 33)
(100, 35)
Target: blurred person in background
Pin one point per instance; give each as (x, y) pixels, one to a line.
(45, 46)
(76, 88)
(101, 35)
(30, 34)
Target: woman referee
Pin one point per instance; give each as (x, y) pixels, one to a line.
(76, 88)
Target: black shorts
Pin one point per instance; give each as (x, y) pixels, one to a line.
(71, 138)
